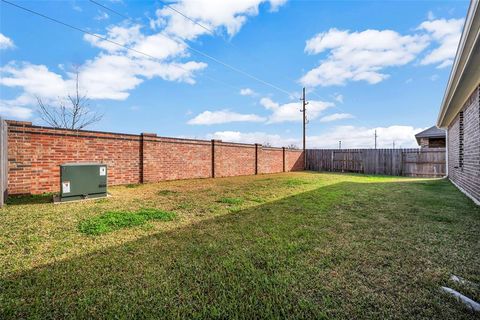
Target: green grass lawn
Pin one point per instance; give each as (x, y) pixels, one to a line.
(293, 245)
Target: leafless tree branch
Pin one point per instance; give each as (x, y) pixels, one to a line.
(76, 115)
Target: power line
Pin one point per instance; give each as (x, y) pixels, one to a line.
(109, 9)
(153, 57)
(229, 66)
(212, 32)
(186, 17)
(213, 58)
(106, 39)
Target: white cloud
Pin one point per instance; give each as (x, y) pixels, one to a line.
(157, 45)
(276, 4)
(291, 111)
(430, 15)
(252, 137)
(218, 15)
(336, 116)
(102, 16)
(362, 137)
(338, 97)
(5, 42)
(108, 76)
(115, 71)
(351, 137)
(76, 7)
(112, 74)
(359, 56)
(15, 108)
(15, 112)
(247, 92)
(446, 33)
(35, 80)
(223, 116)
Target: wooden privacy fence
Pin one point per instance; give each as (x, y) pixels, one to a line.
(395, 162)
(3, 161)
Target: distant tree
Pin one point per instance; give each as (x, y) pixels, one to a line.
(267, 144)
(71, 113)
(292, 146)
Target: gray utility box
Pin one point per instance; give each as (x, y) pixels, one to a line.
(82, 181)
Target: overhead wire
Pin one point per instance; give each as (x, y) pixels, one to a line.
(155, 58)
(227, 65)
(107, 40)
(212, 32)
(221, 62)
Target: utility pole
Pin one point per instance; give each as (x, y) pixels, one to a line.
(376, 138)
(340, 144)
(393, 144)
(304, 104)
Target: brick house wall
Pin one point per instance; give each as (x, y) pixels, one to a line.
(466, 174)
(35, 153)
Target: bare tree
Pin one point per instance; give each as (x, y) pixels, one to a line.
(292, 146)
(71, 113)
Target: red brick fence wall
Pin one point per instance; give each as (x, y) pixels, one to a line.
(34, 154)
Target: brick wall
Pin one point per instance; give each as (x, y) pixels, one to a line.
(35, 153)
(294, 160)
(170, 159)
(466, 176)
(234, 159)
(271, 160)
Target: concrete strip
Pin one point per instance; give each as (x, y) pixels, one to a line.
(475, 306)
(463, 281)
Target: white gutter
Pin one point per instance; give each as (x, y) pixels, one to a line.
(446, 153)
(463, 56)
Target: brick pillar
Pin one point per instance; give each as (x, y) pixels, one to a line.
(214, 142)
(147, 161)
(256, 158)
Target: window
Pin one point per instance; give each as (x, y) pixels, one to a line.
(460, 140)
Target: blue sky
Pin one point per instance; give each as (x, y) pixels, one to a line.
(367, 66)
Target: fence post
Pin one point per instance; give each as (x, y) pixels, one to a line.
(283, 153)
(3, 161)
(214, 143)
(256, 158)
(213, 158)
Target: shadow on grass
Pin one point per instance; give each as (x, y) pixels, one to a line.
(30, 199)
(347, 250)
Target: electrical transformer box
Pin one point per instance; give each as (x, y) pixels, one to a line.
(82, 181)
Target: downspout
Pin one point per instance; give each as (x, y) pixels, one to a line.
(446, 153)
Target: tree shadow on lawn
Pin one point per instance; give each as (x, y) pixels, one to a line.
(349, 250)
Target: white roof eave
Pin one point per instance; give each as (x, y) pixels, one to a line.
(468, 41)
